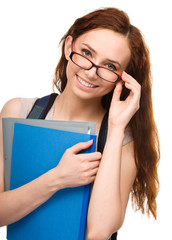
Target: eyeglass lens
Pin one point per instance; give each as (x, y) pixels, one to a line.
(85, 63)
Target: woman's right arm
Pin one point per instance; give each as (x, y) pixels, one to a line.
(17, 203)
(73, 170)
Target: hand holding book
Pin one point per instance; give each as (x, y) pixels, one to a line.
(76, 169)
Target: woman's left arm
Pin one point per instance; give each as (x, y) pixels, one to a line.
(117, 170)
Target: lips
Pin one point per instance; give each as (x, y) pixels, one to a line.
(86, 84)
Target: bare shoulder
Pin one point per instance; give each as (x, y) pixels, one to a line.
(11, 108)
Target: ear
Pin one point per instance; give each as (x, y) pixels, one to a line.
(68, 47)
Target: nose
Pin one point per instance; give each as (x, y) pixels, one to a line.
(92, 73)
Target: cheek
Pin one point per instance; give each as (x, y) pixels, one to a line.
(67, 70)
(71, 69)
(109, 87)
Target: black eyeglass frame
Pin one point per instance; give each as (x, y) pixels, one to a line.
(96, 66)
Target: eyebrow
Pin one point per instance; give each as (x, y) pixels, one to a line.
(110, 60)
(87, 45)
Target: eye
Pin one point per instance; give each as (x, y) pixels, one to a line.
(86, 53)
(110, 66)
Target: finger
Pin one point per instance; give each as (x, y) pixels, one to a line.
(129, 79)
(134, 96)
(90, 173)
(91, 157)
(80, 146)
(90, 180)
(93, 172)
(94, 164)
(131, 84)
(134, 89)
(117, 91)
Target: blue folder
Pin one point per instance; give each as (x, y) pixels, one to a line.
(35, 151)
(8, 129)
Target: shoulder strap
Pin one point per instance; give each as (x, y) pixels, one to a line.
(103, 133)
(114, 236)
(42, 106)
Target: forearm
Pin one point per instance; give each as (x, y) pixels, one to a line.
(17, 203)
(105, 207)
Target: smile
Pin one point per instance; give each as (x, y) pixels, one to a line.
(86, 83)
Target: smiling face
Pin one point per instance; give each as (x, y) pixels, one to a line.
(103, 47)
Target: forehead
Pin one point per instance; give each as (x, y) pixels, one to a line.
(107, 43)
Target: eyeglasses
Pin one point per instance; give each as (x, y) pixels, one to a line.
(103, 72)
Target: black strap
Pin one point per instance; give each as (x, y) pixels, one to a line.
(42, 106)
(114, 236)
(103, 133)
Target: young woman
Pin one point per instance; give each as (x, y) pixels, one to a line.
(104, 67)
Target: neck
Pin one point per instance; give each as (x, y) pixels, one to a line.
(71, 108)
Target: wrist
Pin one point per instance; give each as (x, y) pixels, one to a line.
(120, 125)
(116, 132)
(55, 181)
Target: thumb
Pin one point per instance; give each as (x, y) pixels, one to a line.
(80, 146)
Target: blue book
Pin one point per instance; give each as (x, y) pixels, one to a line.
(35, 151)
(8, 129)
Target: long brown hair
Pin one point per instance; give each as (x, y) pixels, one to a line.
(142, 124)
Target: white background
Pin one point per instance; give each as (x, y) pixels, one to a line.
(30, 32)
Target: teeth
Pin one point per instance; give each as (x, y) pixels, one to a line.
(86, 84)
